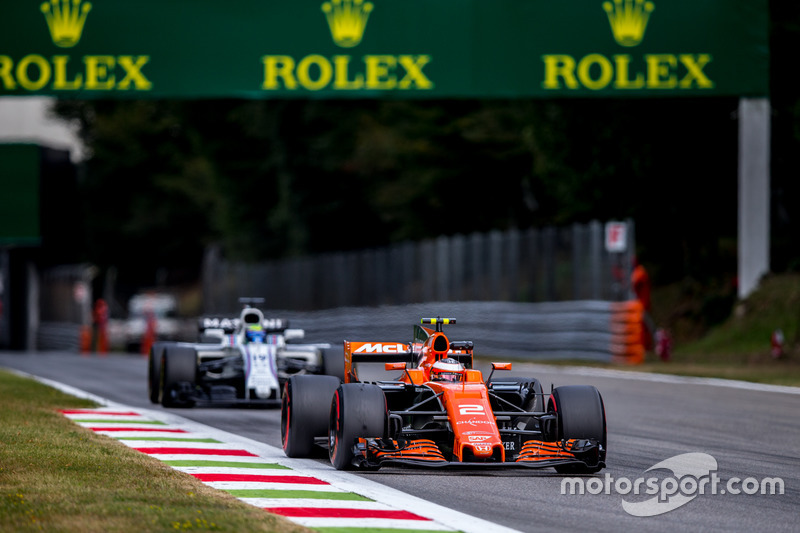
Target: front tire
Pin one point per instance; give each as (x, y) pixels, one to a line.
(358, 410)
(303, 413)
(179, 375)
(154, 371)
(580, 414)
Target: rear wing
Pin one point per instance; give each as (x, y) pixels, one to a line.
(396, 352)
(374, 352)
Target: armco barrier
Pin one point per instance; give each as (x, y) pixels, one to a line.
(591, 330)
(58, 336)
(586, 329)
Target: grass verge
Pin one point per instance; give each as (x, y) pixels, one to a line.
(739, 346)
(736, 343)
(774, 373)
(56, 476)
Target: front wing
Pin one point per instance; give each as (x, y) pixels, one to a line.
(374, 453)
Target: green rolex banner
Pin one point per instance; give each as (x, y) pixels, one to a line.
(383, 48)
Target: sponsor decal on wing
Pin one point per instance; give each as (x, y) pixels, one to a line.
(378, 347)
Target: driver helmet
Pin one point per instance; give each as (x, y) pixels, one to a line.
(447, 370)
(254, 333)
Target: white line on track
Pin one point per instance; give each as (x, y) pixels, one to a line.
(662, 378)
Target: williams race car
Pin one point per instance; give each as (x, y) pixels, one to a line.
(243, 360)
(438, 412)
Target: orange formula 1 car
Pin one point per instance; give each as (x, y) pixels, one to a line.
(438, 412)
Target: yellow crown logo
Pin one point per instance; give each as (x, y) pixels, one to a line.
(628, 19)
(66, 21)
(347, 20)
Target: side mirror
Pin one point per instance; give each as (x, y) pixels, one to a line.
(498, 366)
(400, 366)
(294, 334)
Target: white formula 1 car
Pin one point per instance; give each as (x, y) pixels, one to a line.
(243, 360)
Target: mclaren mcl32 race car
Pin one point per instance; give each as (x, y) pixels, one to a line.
(437, 411)
(243, 360)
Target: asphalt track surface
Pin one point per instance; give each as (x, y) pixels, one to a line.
(752, 432)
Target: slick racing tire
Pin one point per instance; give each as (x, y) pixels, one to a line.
(580, 414)
(358, 410)
(333, 362)
(179, 371)
(303, 412)
(154, 371)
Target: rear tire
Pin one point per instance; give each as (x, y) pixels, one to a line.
(580, 414)
(358, 410)
(179, 373)
(154, 371)
(333, 362)
(303, 412)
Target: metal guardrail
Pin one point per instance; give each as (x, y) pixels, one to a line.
(58, 336)
(532, 331)
(591, 330)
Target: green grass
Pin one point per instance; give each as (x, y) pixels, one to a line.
(745, 336)
(716, 336)
(739, 346)
(56, 476)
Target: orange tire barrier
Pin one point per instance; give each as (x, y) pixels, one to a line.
(627, 329)
(86, 339)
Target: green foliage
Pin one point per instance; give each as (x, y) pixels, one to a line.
(274, 179)
(270, 179)
(747, 331)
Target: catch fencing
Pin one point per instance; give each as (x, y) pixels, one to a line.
(64, 306)
(535, 265)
